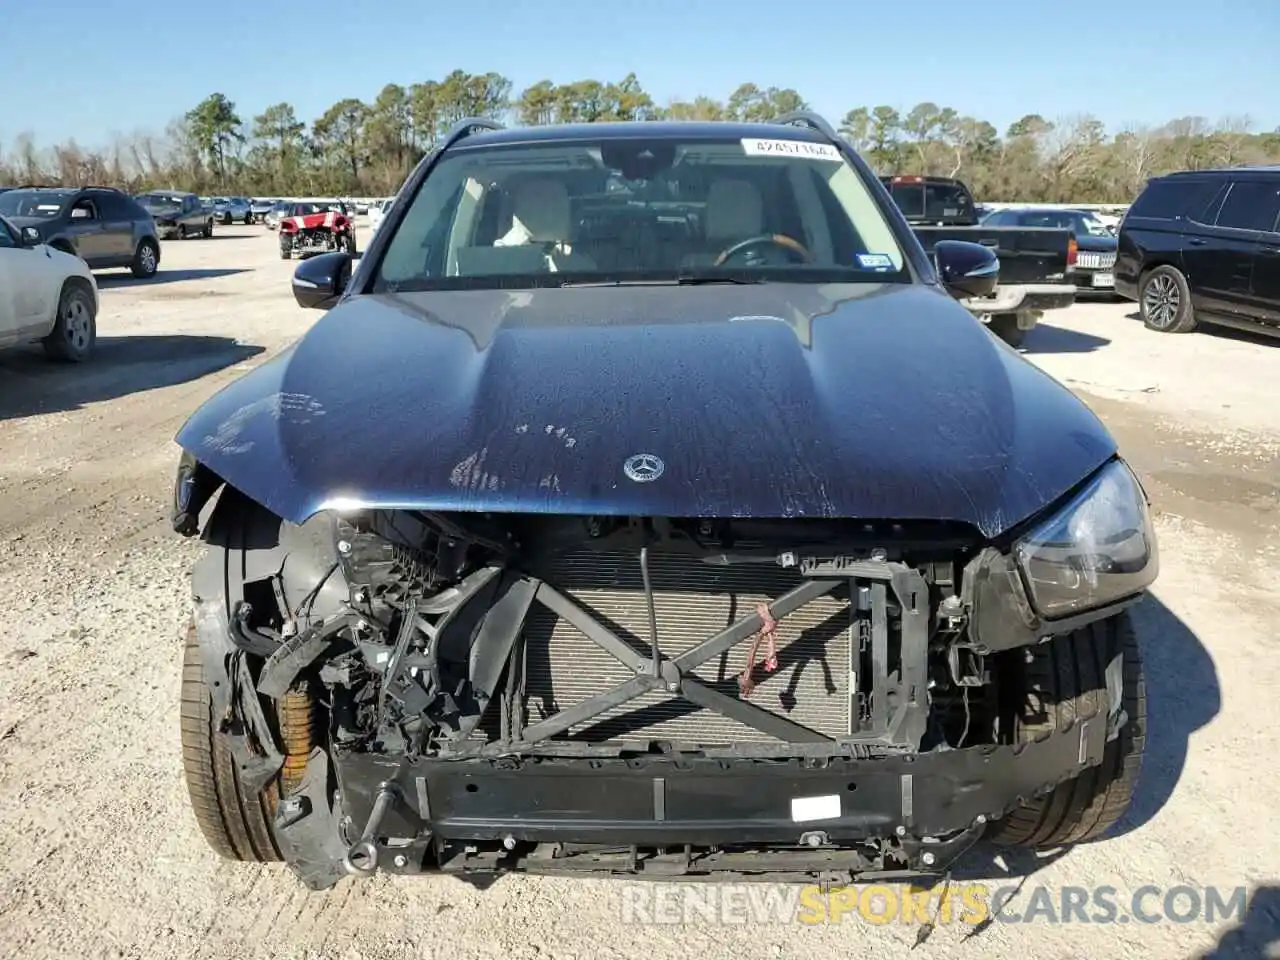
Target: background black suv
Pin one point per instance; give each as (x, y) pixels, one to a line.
(101, 225)
(1204, 246)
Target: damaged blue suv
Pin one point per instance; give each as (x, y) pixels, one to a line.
(646, 504)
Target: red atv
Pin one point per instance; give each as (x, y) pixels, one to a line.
(316, 227)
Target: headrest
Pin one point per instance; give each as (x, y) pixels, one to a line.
(541, 206)
(735, 210)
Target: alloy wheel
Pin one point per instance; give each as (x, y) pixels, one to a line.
(1162, 301)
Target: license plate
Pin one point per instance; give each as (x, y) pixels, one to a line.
(1104, 280)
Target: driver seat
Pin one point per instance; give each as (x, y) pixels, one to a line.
(734, 212)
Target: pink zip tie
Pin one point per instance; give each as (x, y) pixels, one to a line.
(768, 631)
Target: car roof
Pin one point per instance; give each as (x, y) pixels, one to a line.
(654, 129)
(1269, 168)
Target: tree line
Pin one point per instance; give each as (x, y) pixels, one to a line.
(360, 148)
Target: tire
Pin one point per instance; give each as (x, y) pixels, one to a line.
(1164, 298)
(286, 251)
(236, 823)
(207, 232)
(351, 244)
(1065, 682)
(248, 219)
(75, 331)
(146, 259)
(182, 231)
(1005, 326)
(226, 219)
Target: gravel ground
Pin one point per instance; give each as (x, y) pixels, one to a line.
(107, 860)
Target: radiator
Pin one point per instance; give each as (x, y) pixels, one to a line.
(693, 601)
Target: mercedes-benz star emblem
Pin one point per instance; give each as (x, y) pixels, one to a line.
(643, 467)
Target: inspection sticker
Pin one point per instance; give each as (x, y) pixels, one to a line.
(815, 808)
(875, 261)
(790, 148)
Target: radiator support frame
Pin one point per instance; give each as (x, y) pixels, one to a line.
(898, 703)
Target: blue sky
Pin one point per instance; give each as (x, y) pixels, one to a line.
(91, 68)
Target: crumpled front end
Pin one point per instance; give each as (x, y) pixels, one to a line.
(648, 696)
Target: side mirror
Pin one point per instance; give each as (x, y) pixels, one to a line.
(966, 269)
(320, 281)
(31, 237)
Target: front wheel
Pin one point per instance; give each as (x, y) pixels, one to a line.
(1065, 681)
(146, 260)
(286, 251)
(207, 232)
(75, 331)
(1165, 301)
(351, 244)
(236, 822)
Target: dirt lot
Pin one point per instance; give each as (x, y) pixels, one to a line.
(107, 861)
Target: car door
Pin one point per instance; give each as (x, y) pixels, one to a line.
(29, 288)
(117, 216)
(1219, 252)
(1264, 280)
(11, 271)
(88, 231)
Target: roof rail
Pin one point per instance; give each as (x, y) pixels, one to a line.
(66, 186)
(807, 118)
(466, 127)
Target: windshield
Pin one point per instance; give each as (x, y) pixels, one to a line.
(158, 201)
(550, 213)
(302, 209)
(32, 203)
(932, 201)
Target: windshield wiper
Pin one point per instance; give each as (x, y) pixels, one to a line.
(684, 280)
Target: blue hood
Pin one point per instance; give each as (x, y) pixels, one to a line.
(772, 400)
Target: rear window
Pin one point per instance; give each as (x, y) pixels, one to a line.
(932, 201)
(1250, 205)
(1178, 197)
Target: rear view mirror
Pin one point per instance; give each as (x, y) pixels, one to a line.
(31, 237)
(966, 269)
(320, 281)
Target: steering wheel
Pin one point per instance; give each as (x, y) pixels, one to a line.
(765, 239)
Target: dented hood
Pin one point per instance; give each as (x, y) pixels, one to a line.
(767, 400)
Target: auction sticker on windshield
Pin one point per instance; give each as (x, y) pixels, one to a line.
(790, 148)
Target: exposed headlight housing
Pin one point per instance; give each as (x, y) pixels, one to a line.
(1097, 549)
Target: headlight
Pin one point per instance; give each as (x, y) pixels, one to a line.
(1097, 549)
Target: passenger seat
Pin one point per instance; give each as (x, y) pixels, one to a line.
(542, 214)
